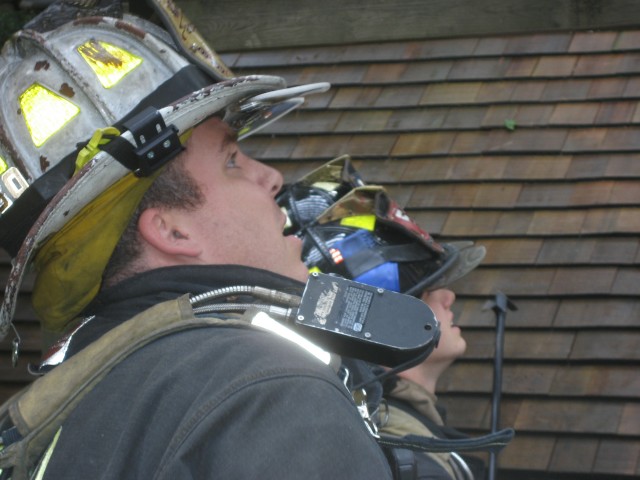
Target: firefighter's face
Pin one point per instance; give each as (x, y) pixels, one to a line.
(239, 221)
(451, 344)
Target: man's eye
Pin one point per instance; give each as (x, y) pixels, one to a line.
(231, 162)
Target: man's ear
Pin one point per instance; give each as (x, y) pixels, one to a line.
(162, 231)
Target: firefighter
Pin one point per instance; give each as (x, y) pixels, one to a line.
(359, 232)
(156, 207)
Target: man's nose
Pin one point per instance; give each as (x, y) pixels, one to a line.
(449, 297)
(267, 177)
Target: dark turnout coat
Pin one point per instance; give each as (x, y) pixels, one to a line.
(216, 402)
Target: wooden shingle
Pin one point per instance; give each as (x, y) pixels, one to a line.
(576, 455)
(318, 147)
(491, 46)
(606, 345)
(521, 67)
(372, 145)
(478, 68)
(588, 139)
(603, 88)
(477, 167)
(432, 71)
(626, 281)
(528, 91)
(532, 115)
(424, 143)
(518, 344)
(602, 64)
(569, 416)
(418, 119)
(408, 96)
(566, 251)
(448, 48)
(528, 453)
(565, 90)
(574, 113)
(362, 121)
(470, 143)
(617, 113)
(555, 66)
(583, 281)
(451, 93)
(598, 380)
(385, 73)
(346, 97)
(630, 420)
(626, 40)
(621, 139)
(592, 41)
(617, 457)
(598, 312)
(534, 167)
(620, 251)
(465, 117)
(539, 43)
(494, 92)
(612, 220)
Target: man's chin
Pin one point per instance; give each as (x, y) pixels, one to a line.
(303, 275)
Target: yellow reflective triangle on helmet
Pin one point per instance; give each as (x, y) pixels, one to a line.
(108, 62)
(45, 112)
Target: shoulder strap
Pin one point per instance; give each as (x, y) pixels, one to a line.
(38, 411)
(446, 439)
(492, 442)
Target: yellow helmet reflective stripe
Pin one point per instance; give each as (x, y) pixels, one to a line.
(45, 112)
(109, 63)
(365, 222)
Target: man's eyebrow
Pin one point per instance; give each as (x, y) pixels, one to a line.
(230, 137)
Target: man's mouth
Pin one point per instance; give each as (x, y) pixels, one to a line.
(287, 220)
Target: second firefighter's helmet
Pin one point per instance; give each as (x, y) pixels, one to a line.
(358, 231)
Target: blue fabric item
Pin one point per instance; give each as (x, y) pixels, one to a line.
(356, 242)
(384, 276)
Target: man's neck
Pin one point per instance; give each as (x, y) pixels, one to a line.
(425, 374)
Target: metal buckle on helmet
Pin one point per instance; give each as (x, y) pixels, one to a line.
(157, 143)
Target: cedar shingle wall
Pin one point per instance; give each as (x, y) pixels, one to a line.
(529, 145)
(554, 197)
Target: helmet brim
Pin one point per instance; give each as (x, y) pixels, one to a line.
(460, 259)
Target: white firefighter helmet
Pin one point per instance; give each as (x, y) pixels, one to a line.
(61, 86)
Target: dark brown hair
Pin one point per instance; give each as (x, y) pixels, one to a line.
(174, 188)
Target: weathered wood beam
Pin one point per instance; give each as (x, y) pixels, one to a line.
(256, 24)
